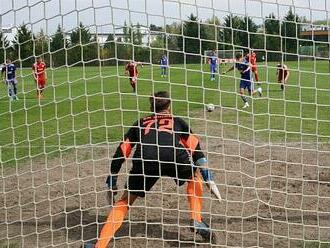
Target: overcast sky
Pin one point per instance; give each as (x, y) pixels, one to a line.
(106, 14)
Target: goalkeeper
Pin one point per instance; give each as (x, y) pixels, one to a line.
(164, 147)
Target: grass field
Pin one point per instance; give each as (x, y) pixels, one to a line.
(94, 105)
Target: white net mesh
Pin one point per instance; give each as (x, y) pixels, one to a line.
(269, 160)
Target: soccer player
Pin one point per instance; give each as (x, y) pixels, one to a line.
(40, 76)
(243, 66)
(213, 61)
(282, 74)
(252, 58)
(163, 66)
(132, 70)
(8, 74)
(164, 147)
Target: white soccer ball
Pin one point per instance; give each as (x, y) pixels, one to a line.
(259, 90)
(210, 107)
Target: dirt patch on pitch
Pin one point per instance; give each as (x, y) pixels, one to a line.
(273, 196)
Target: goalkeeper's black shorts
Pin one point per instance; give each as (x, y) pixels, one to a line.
(144, 175)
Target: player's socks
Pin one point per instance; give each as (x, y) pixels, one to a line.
(256, 76)
(114, 222)
(10, 93)
(282, 87)
(244, 99)
(246, 104)
(133, 86)
(194, 193)
(15, 89)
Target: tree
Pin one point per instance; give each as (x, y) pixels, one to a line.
(124, 46)
(140, 53)
(23, 45)
(109, 49)
(248, 37)
(127, 33)
(239, 31)
(230, 34)
(273, 40)
(210, 33)
(153, 27)
(41, 45)
(91, 51)
(5, 48)
(290, 31)
(80, 35)
(137, 35)
(190, 42)
(81, 48)
(57, 47)
(58, 41)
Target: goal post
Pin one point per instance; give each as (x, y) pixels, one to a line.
(78, 75)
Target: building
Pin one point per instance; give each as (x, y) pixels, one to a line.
(319, 33)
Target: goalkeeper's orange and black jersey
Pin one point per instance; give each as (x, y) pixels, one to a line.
(158, 138)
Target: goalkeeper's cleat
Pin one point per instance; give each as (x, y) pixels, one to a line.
(15, 98)
(246, 105)
(203, 230)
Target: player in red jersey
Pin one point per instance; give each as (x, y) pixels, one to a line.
(132, 70)
(253, 61)
(252, 58)
(40, 75)
(282, 74)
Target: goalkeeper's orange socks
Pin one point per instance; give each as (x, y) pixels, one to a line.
(114, 221)
(195, 192)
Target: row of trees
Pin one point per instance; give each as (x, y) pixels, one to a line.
(190, 36)
(58, 50)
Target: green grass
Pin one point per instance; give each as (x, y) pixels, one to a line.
(93, 105)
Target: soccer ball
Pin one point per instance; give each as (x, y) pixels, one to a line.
(210, 107)
(259, 90)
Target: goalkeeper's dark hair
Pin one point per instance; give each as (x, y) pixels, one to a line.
(160, 101)
(238, 55)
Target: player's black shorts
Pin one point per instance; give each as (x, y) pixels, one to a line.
(144, 175)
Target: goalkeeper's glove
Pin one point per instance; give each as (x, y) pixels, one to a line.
(206, 173)
(112, 182)
(208, 177)
(112, 186)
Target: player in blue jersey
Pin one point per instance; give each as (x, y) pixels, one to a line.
(243, 66)
(163, 66)
(8, 74)
(213, 61)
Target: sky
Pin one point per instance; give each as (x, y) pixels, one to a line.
(107, 15)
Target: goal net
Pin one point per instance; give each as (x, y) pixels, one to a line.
(61, 123)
